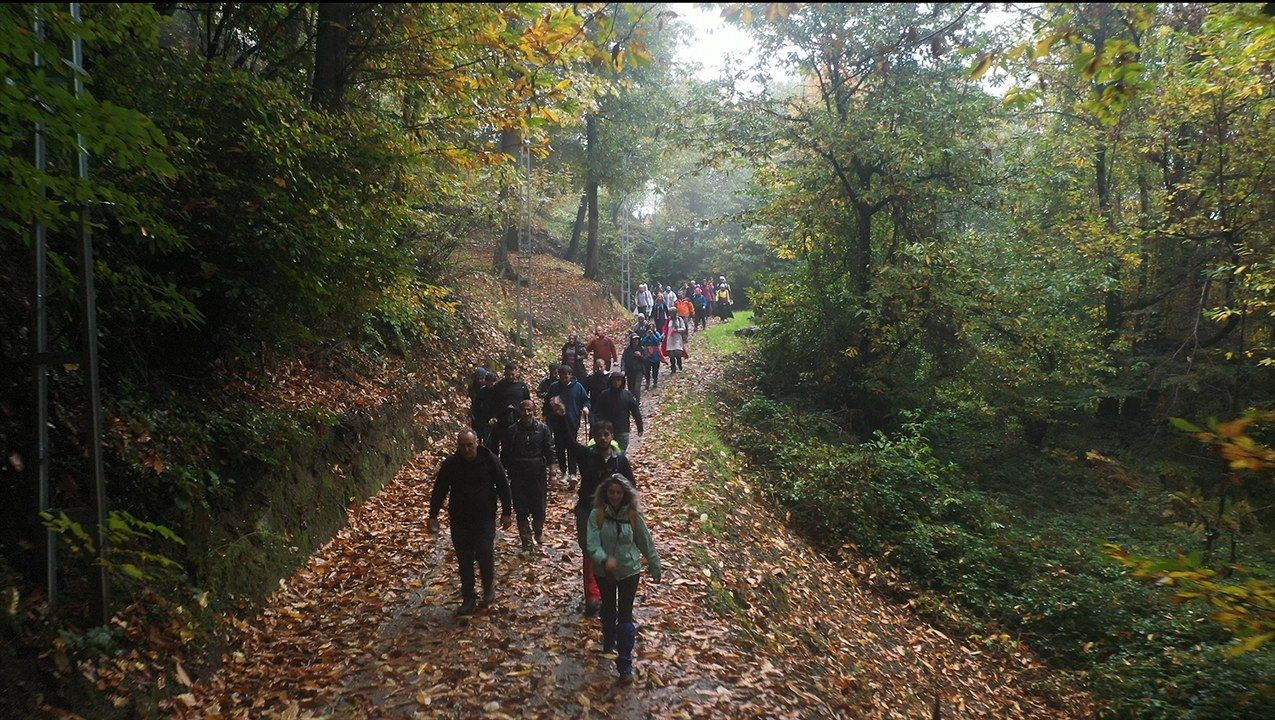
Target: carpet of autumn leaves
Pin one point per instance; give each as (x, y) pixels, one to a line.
(749, 621)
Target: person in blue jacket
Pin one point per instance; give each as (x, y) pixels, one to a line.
(651, 347)
(565, 406)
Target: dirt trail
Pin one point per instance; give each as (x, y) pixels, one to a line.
(366, 629)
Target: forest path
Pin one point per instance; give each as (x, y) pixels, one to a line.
(749, 621)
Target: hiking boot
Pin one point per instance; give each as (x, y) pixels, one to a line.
(466, 608)
(489, 597)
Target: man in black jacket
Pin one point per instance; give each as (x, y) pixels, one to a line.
(471, 480)
(599, 460)
(616, 405)
(506, 398)
(526, 450)
(633, 362)
(596, 381)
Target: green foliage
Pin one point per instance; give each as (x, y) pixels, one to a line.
(1243, 598)
(131, 560)
(113, 134)
(293, 223)
(1044, 577)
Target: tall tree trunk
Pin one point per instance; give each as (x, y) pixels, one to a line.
(331, 55)
(508, 240)
(591, 255)
(574, 248)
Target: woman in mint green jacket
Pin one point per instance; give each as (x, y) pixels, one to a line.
(617, 540)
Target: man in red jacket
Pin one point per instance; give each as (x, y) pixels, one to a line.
(603, 349)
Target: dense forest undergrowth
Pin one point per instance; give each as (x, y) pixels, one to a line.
(1009, 542)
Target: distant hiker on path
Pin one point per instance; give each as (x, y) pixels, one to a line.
(566, 406)
(603, 348)
(701, 308)
(617, 540)
(651, 342)
(574, 355)
(678, 335)
(596, 381)
(599, 460)
(633, 363)
(542, 390)
(643, 301)
(506, 397)
(616, 405)
(724, 301)
(526, 450)
(471, 480)
(480, 404)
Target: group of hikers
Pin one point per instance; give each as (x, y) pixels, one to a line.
(514, 442)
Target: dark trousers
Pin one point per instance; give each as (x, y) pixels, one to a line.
(675, 361)
(701, 317)
(473, 541)
(653, 373)
(528, 486)
(617, 599)
(482, 431)
(623, 439)
(617, 617)
(563, 434)
(635, 384)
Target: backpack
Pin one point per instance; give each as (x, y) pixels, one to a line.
(599, 517)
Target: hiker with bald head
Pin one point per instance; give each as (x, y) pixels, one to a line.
(471, 481)
(526, 450)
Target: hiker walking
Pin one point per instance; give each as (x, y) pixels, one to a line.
(481, 401)
(526, 450)
(506, 397)
(643, 301)
(603, 348)
(633, 364)
(724, 300)
(575, 354)
(599, 459)
(659, 316)
(617, 540)
(701, 308)
(617, 405)
(651, 343)
(567, 404)
(675, 342)
(596, 381)
(471, 480)
(542, 390)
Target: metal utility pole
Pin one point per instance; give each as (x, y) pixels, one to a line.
(86, 359)
(626, 265)
(526, 244)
